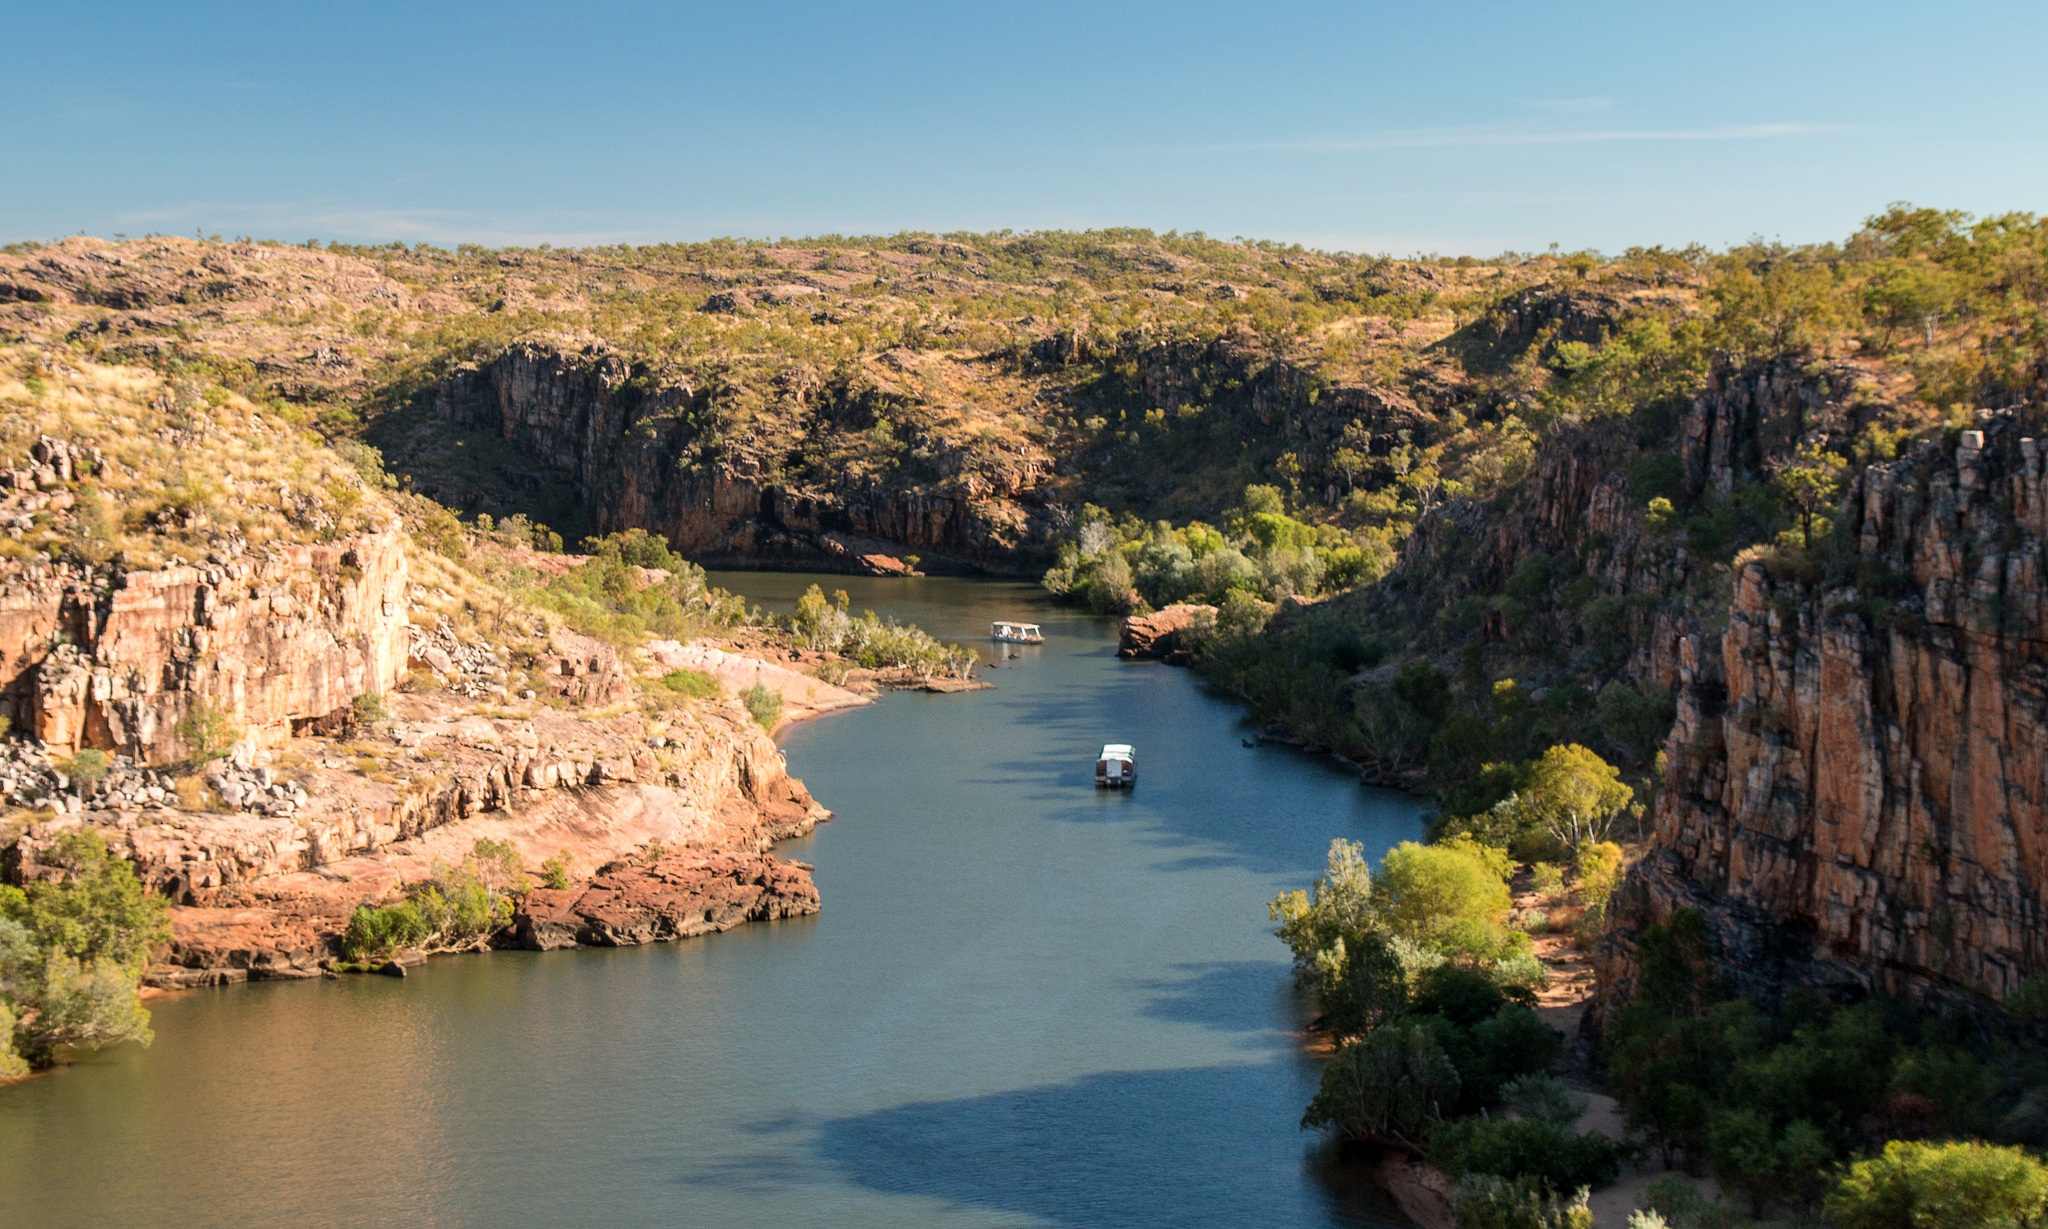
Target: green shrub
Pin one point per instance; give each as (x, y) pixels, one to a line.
(1390, 1087)
(1450, 900)
(380, 930)
(1545, 1098)
(1766, 1163)
(368, 709)
(88, 766)
(554, 872)
(693, 684)
(207, 732)
(1483, 1201)
(1914, 1185)
(1327, 927)
(1515, 1148)
(1511, 1043)
(606, 597)
(765, 703)
(72, 953)
(458, 908)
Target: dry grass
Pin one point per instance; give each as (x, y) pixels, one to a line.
(194, 794)
(183, 464)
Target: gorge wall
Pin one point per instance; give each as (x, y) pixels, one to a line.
(634, 452)
(1856, 780)
(1852, 793)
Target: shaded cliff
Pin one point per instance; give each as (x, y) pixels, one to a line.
(644, 452)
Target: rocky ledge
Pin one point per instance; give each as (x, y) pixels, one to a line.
(677, 896)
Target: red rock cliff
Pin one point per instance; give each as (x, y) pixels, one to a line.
(115, 660)
(1857, 777)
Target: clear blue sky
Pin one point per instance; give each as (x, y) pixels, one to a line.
(1453, 127)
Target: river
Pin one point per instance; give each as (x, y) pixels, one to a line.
(1026, 1002)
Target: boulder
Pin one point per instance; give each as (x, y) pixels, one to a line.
(1159, 634)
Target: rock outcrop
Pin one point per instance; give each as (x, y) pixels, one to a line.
(1159, 634)
(1856, 796)
(265, 892)
(268, 639)
(678, 896)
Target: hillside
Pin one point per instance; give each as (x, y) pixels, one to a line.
(1709, 513)
(960, 397)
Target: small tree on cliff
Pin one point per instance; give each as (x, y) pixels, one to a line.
(1575, 795)
(207, 732)
(1810, 482)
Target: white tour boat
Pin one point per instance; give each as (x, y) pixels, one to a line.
(1116, 767)
(1016, 633)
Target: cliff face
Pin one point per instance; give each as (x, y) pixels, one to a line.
(1856, 783)
(636, 455)
(272, 639)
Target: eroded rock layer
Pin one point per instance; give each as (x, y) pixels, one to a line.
(631, 448)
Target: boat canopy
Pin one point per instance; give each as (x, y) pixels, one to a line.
(1117, 751)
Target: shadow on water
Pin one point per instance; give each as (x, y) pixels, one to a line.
(1120, 1148)
(1234, 996)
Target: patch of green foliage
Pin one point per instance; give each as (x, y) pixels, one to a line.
(1566, 798)
(1428, 992)
(690, 684)
(1552, 1154)
(459, 907)
(1486, 1201)
(1775, 1100)
(72, 954)
(1959, 1184)
(764, 703)
(207, 732)
(87, 767)
(612, 596)
(826, 626)
(1116, 566)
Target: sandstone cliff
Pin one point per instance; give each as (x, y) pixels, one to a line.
(271, 639)
(1855, 789)
(263, 888)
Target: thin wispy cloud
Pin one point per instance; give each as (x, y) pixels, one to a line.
(1468, 138)
(278, 219)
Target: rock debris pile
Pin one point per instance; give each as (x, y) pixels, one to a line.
(470, 669)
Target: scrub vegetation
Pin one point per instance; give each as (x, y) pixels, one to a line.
(72, 953)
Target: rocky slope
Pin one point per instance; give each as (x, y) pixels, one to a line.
(178, 572)
(289, 842)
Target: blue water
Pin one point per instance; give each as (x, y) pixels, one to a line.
(1026, 1002)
